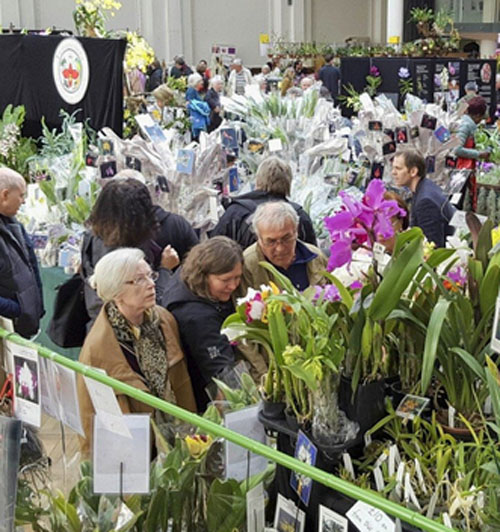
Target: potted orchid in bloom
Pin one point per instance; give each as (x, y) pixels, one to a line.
(305, 346)
(356, 230)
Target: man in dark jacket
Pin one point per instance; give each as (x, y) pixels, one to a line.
(273, 183)
(430, 210)
(180, 69)
(21, 297)
(330, 77)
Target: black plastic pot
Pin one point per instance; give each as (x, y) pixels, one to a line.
(291, 420)
(366, 406)
(273, 410)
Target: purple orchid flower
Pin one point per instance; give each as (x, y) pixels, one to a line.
(404, 73)
(458, 276)
(374, 71)
(328, 293)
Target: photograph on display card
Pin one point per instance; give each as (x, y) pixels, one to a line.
(430, 164)
(389, 133)
(377, 171)
(106, 147)
(91, 159)
(330, 521)
(401, 135)
(450, 161)
(108, 169)
(306, 452)
(414, 132)
(185, 161)
(234, 180)
(229, 138)
(287, 517)
(155, 134)
(495, 339)
(26, 379)
(133, 162)
(374, 125)
(428, 121)
(39, 240)
(388, 148)
(442, 134)
(162, 183)
(411, 406)
(255, 146)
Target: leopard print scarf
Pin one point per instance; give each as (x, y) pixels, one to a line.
(148, 343)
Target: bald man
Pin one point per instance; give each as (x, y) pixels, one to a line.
(20, 286)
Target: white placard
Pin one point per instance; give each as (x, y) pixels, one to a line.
(379, 479)
(451, 416)
(49, 402)
(420, 476)
(455, 198)
(330, 520)
(244, 422)
(275, 145)
(106, 406)
(67, 397)
(256, 505)
(346, 457)
(495, 335)
(288, 515)
(458, 220)
(110, 450)
(26, 372)
(370, 519)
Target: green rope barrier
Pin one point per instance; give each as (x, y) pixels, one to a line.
(318, 475)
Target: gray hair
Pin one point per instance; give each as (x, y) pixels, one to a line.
(237, 61)
(10, 179)
(214, 80)
(194, 79)
(275, 215)
(274, 176)
(113, 270)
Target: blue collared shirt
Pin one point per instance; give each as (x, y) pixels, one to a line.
(297, 271)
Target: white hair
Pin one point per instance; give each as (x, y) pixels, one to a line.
(113, 270)
(214, 80)
(10, 179)
(130, 173)
(194, 79)
(275, 215)
(237, 61)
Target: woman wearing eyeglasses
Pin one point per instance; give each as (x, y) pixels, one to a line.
(199, 295)
(134, 340)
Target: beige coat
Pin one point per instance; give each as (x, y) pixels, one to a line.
(102, 350)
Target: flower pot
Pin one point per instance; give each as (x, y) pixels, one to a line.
(366, 406)
(459, 433)
(291, 420)
(273, 410)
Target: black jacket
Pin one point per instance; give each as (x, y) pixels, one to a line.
(432, 212)
(208, 352)
(330, 76)
(21, 296)
(235, 223)
(174, 230)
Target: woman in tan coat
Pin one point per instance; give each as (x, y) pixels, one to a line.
(134, 340)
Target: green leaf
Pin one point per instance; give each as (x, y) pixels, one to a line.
(397, 277)
(484, 243)
(298, 371)
(432, 340)
(226, 506)
(488, 289)
(470, 361)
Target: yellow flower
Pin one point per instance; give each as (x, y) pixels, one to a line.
(198, 444)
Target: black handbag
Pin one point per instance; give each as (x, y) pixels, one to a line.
(68, 325)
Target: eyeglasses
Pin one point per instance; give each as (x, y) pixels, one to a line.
(143, 279)
(274, 242)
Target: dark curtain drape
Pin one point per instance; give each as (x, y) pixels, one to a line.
(26, 78)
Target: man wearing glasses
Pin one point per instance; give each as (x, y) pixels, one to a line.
(276, 227)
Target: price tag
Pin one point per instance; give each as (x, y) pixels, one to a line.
(275, 145)
(378, 251)
(451, 417)
(369, 519)
(346, 457)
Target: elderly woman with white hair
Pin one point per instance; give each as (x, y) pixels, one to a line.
(216, 86)
(199, 110)
(132, 339)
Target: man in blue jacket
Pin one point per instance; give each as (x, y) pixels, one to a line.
(20, 285)
(430, 208)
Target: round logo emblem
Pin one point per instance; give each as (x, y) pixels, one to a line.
(70, 68)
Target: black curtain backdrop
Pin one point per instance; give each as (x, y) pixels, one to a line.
(410, 32)
(26, 79)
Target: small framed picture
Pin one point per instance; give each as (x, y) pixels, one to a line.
(411, 406)
(414, 132)
(330, 521)
(133, 162)
(428, 121)
(229, 138)
(106, 147)
(377, 171)
(401, 135)
(108, 169)
(185, 161)
(430, 164)
(254, 146)
(374, 125)
(288, 517)
(442, 134)
(495, 338)
(450, 161)
(91, 159)
(388, 148)
(234, 180)
(306, 452)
